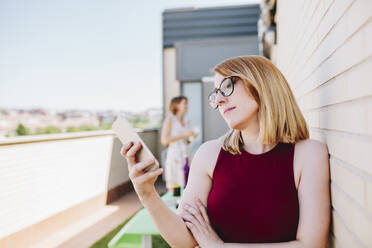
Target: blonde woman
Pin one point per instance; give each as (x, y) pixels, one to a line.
(264, 184)
(175, 134)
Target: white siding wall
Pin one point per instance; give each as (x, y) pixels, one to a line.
(324, 49)
(38, 180)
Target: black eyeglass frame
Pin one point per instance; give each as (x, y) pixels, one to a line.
(219, 89)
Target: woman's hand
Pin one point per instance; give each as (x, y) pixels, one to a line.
(143, 182)
(198, 223)
(188, 134)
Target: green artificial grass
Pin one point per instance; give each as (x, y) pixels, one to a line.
(157, 240)
(103, 242)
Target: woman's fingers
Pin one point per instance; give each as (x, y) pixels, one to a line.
(147, 176)
(130, 152)
(138, 168)
(191, 219)
(203, 211)
(125, 148)
(189, 225)
(195, 213)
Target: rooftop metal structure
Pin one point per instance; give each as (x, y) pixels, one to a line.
(209, 23)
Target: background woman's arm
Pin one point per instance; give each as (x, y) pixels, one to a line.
(166, 137)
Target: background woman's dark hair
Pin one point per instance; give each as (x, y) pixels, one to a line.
(174, 102)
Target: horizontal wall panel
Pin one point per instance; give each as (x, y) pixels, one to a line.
(181, 25)
(350, 148)
(350, 85)
(344, 236)
(353, 216)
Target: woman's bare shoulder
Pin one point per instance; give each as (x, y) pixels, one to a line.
(211, 145)
(311, 154)
(309, 146)
(207, 154)
(209, 148)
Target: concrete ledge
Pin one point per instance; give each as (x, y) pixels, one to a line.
(43, 229)
(118, 191)
(64, 136)
(54, 137)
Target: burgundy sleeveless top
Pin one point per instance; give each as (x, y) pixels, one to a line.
(253, 198)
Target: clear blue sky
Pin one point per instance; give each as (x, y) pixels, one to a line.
(84, 54)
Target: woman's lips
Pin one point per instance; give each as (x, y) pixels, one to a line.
(227, 110)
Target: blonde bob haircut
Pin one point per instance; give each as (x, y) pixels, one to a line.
(280, 119)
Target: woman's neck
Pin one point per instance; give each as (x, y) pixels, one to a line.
(250, 139)
(179, 116)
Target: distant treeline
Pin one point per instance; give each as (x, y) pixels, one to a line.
(22, 130)
(136, 121)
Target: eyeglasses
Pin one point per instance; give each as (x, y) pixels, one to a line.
(226, 88)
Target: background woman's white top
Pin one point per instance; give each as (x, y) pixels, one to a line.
(176, 154)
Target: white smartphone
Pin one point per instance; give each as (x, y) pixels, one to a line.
(126, 133)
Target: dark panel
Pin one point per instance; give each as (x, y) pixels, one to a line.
(209, 23)
(171, 42)
(210, 31)
(195, 23)
(253, 10)
(195, 59)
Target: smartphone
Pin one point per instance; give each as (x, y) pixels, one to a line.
(126, 133)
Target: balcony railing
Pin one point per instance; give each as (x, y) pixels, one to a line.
(45, 175)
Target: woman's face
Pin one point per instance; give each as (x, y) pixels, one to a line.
(239, 108)
(182, 106)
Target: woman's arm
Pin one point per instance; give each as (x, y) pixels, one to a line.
(314, 194)
(291, 244)
(170, 225)
(166, 138)
(198, 186)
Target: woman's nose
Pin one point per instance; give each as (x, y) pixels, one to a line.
(220, 98)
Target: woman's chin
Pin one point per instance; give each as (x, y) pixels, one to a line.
(236, 125)
(232, 124)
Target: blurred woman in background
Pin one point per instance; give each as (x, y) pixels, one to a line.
(176, 134)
